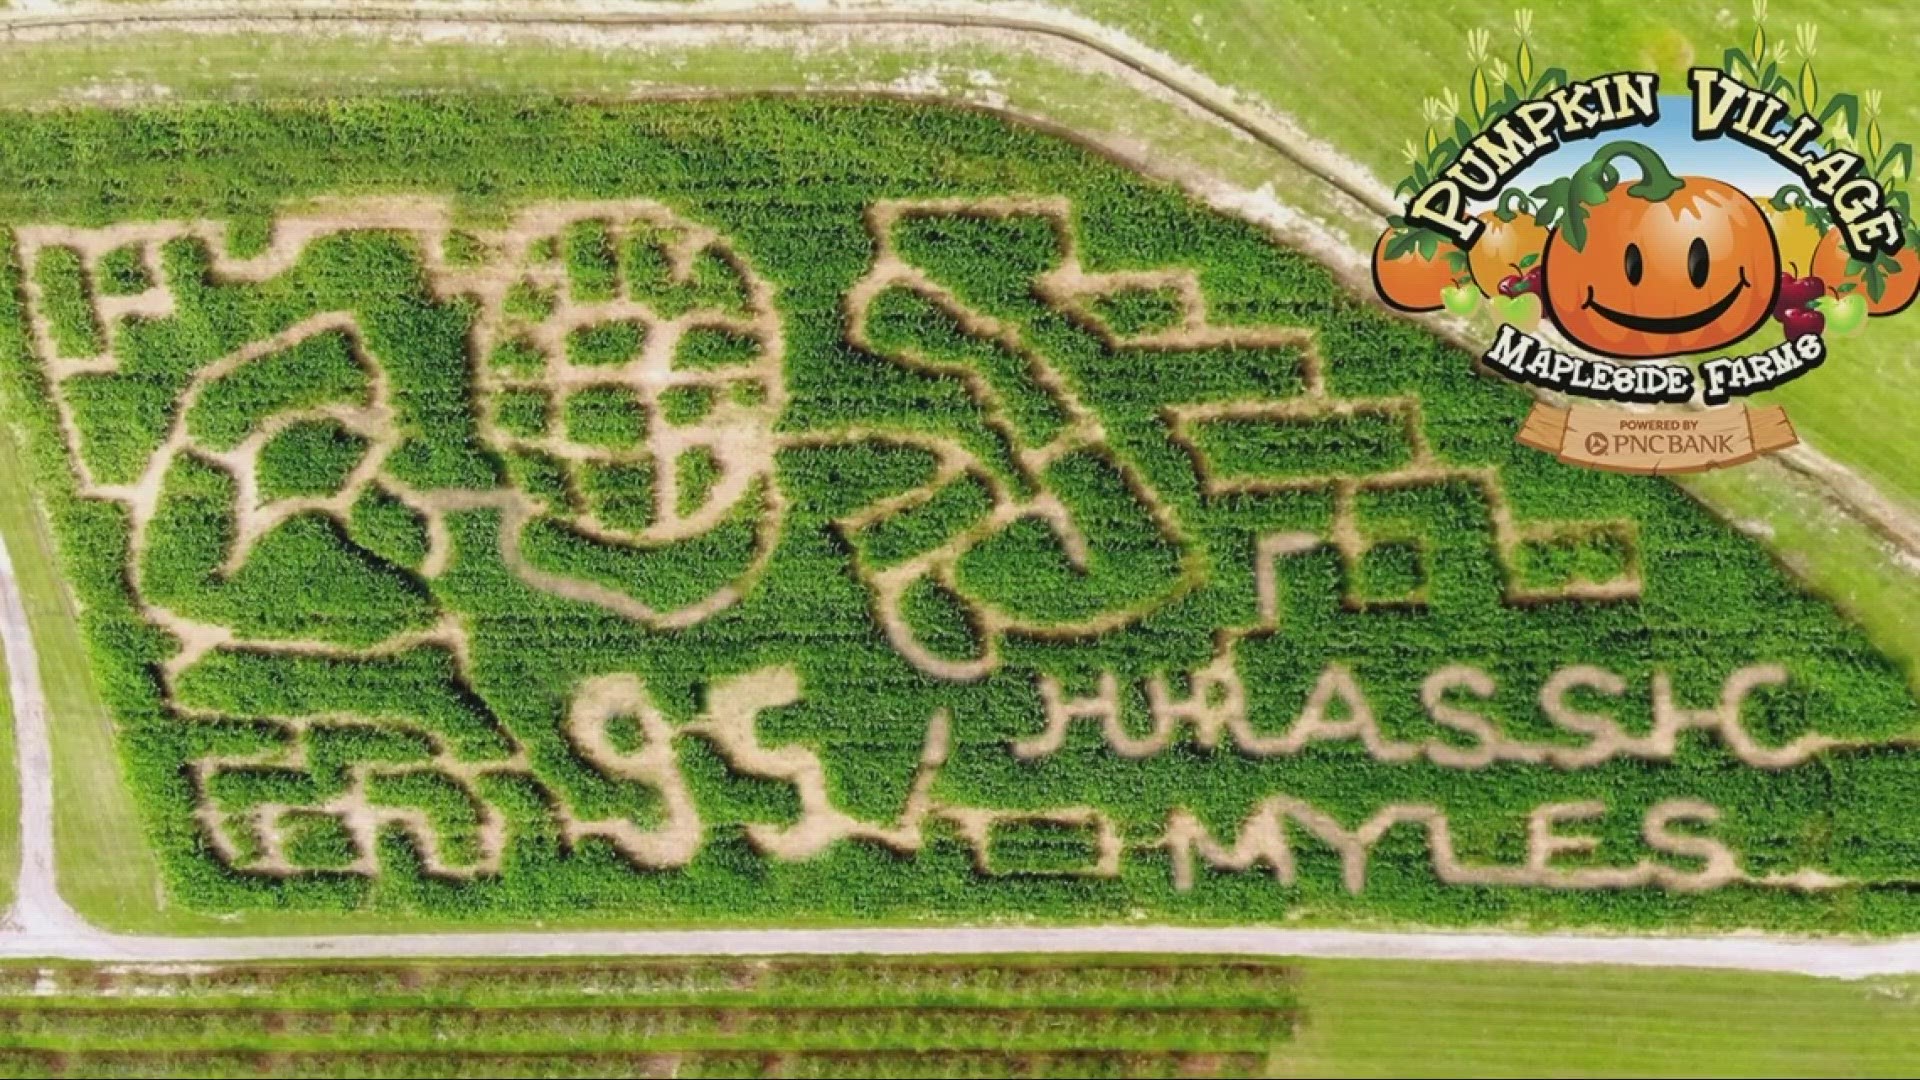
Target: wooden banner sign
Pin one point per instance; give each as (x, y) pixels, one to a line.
(1657, 442)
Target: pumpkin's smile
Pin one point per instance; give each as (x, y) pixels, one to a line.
(1670, 324)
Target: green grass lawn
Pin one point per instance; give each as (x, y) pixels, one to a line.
(1367, 1018)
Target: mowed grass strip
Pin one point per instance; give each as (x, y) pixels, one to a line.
(1367, 1018)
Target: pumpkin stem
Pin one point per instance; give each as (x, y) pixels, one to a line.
(1657, 182)
(1504, 209)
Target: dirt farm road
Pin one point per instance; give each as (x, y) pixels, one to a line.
(42, 925)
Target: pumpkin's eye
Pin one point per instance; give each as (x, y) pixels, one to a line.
(1697, 263)
(1633, 264)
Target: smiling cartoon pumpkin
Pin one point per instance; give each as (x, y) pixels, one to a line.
(1663, 266)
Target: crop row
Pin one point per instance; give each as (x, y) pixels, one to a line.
(767, 1017)
(946, 1064)
(653, 1027)
(1085, 981)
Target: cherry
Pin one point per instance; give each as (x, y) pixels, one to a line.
(1803, 321)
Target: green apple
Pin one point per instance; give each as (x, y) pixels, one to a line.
(1461, 299)
(1844, 314)
(1522, 311)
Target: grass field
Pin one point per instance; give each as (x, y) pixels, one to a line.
(1397, 1019)
(1063, 1016)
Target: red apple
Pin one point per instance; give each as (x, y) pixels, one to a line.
(1799, 292)
(1803, 321)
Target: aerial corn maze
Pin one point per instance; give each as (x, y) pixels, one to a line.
(772, 510)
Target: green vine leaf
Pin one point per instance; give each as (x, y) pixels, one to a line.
(1567, 213)
(1876, 280)
(1873, 274)
(1849, 104)
(1903, 153)
(1585, 187)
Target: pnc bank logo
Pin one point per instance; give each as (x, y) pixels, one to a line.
(1640, 246)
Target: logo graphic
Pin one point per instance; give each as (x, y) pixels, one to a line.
(1660, 253)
